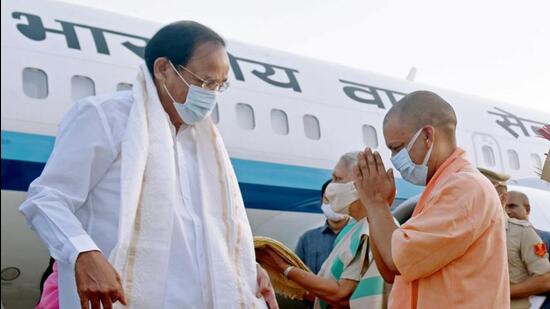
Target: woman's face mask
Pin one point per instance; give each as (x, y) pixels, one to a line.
(340, 196)
(330, 214)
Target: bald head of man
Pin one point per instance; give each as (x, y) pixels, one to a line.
(424, 124)
(517, 205)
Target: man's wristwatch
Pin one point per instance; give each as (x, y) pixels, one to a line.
(287, 271)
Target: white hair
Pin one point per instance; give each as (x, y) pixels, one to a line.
(349, 159)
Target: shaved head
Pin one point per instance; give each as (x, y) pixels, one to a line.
(424, 124)
(517, 205)
(519, 198)
(422, 108)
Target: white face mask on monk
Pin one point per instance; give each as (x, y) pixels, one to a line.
(340, 196)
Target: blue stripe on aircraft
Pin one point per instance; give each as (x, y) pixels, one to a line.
(264, 185)
(26, 147)
(282, 175)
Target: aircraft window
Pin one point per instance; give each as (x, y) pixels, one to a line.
(312, 127)
(215, 114)
(245, 116)
(123, 86)
(536, 161)
(488, 155)
(513, 159)
(279, 122)
(369, 136)
(35, 83)
(82, 86)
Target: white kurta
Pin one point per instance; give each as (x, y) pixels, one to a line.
(74, 205)
(187, 260)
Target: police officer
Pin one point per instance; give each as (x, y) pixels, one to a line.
(528, 263)
(518, 207)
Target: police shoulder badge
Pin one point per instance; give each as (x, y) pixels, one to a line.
(540, 249)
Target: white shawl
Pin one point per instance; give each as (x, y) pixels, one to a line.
(148, 184)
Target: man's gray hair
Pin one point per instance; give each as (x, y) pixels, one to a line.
(349, 159)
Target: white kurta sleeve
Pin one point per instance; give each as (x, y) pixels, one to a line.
(82, 154)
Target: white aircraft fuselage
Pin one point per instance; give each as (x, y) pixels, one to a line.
(285, 120)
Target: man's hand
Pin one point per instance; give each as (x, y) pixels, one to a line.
(265, 288)
(531, 286)
(97, 281)
(376, 188)
(375, 185)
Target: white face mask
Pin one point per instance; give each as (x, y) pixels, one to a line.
(340, 196)
(198, 104)
(414, 173)
(330, 214)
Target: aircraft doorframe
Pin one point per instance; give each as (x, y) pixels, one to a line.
(480, 140)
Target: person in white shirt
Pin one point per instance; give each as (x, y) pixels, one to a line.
(138, 202)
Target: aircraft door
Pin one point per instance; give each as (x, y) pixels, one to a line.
(487, 152)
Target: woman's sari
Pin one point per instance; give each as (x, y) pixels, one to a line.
(351, 259)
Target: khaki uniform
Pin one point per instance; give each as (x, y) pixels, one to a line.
(525, 257)
(527, 254)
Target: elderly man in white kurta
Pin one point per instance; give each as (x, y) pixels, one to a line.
(138, 203)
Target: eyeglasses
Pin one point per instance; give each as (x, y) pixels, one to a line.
(209, 84)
